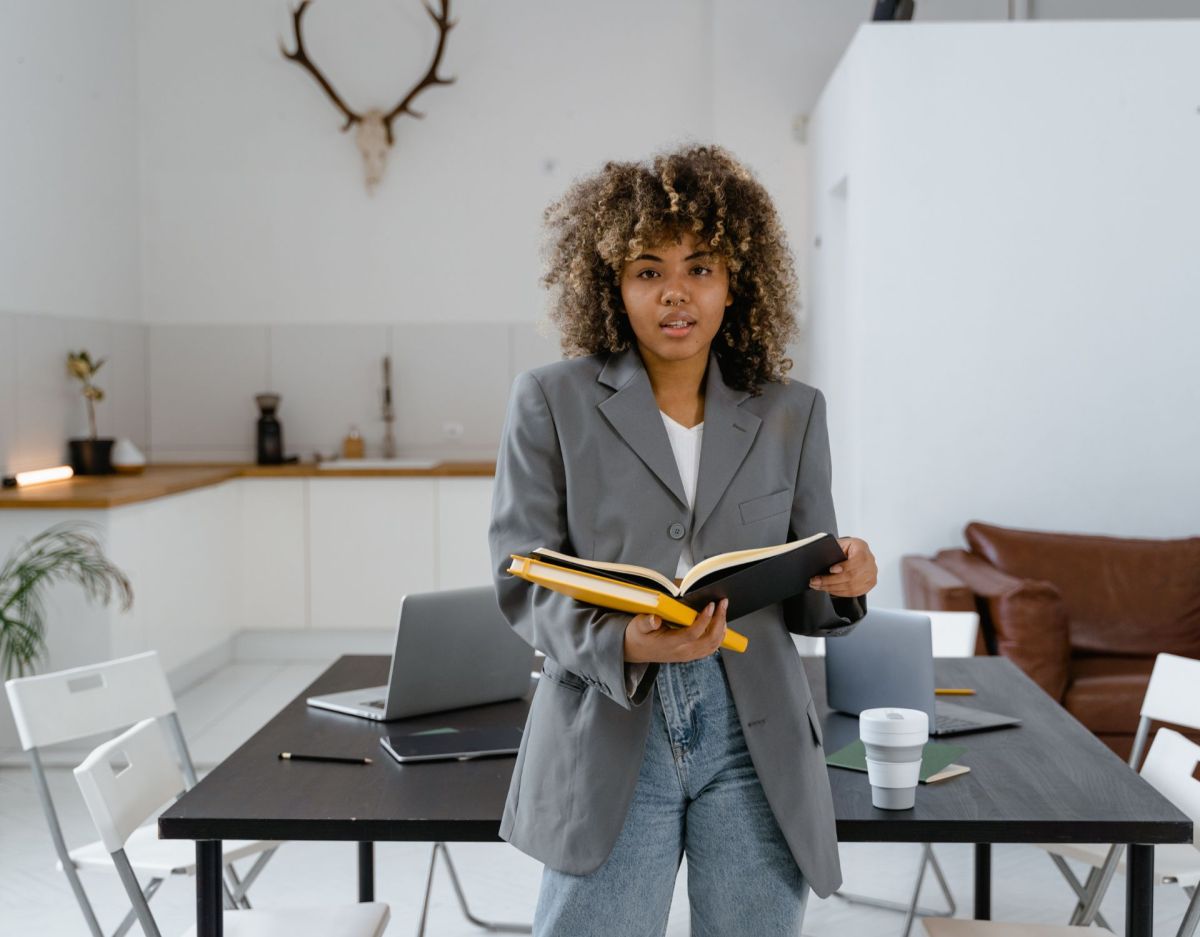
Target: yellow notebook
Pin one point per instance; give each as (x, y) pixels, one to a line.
(611, 593)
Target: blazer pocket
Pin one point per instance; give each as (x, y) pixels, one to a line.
(815, 722)
(766, 506)
(564, 678)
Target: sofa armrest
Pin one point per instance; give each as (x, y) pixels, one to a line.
(1026, 617)
(932, 586)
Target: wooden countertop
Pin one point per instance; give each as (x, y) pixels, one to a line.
(157, 481)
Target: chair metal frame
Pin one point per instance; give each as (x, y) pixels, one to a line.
(495, 927)
(161, 707)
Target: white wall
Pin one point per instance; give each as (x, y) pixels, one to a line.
(1018, 321)
(255, 205)
(69, 224)
(68, 161)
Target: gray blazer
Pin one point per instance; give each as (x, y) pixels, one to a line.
(585, 467)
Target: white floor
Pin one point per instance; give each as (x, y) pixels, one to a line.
(501, 883)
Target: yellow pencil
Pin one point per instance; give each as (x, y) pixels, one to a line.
(954, 691)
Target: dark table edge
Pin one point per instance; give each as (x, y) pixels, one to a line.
(479, 831)
(848, 831)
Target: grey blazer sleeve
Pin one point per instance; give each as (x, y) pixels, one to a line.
(529, 504)
(813, 612)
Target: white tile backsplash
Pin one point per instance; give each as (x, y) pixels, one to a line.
(8, 393)
(203, 379)
(186, 392)
(330, 376)
(126, 376)
(532, 344)
(452, 373)
(49, 408)
(41, 405)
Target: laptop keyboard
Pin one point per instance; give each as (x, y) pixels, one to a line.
(954, 724)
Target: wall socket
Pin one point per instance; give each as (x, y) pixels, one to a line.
(452, 430)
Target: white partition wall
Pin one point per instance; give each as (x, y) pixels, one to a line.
(1005, 285)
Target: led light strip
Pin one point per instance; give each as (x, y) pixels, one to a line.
(39, 476)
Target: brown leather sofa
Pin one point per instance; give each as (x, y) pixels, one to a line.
(1084, 616)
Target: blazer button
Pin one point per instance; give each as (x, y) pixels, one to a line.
(677, 530)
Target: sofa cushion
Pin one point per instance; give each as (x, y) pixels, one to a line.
(1105, 693)
(1122, 596)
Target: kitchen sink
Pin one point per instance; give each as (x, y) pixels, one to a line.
(356, 465)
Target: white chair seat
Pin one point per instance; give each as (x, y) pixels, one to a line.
(955, 927)
(159, 858)
(350, 920)
(1173, 862)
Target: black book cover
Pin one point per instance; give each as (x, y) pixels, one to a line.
(767, 581)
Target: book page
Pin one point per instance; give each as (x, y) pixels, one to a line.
(737, 558)
(628, 569)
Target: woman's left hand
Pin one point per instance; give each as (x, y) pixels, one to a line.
(854, 576)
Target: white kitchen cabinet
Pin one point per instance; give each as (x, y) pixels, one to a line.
(180, 553)
(261, 554)
(274, 553)
(371, 540)
(463, 509)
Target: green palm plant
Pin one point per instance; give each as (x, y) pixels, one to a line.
(65, 552)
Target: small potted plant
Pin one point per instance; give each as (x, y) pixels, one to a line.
(90, 456)
(67, 552)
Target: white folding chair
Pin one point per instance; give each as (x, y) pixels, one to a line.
(127, 779)
(74, 704)
(1173, 695)
(954, 635)
(1169, 767)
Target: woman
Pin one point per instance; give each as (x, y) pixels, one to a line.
(670, 434)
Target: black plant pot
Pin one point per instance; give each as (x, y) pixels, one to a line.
(91, 456)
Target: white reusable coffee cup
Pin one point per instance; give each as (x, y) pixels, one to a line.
(894, 739)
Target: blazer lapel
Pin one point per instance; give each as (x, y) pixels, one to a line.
(729, 432)
(633, 412)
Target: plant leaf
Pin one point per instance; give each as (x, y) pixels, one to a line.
(68, 551)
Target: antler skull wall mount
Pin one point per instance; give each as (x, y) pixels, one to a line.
(374, 127)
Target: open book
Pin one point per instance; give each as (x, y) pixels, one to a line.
(749, 579)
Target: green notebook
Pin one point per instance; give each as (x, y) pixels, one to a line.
(935, 759)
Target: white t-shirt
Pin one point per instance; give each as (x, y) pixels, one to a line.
(685, 444)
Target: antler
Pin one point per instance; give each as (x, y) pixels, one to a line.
(300, 57)
(431, 77)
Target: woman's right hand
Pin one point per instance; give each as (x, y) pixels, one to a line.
(648, 639)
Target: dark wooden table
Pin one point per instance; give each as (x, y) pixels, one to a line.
(1049, 780)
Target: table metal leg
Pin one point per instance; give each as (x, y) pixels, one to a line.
(366, 871)
(1139, 891)
(983, 881)
(209, 889)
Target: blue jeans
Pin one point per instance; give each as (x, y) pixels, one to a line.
(698, 794)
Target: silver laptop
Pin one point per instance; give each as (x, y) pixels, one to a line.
(453, 649)
(887, 660)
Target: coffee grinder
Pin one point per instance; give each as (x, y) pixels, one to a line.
(270, 431)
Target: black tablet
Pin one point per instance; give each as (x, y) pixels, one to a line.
(449, 746)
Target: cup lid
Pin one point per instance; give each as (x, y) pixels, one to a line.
(892, 720)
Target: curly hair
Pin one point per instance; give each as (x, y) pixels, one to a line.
(605, 220)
